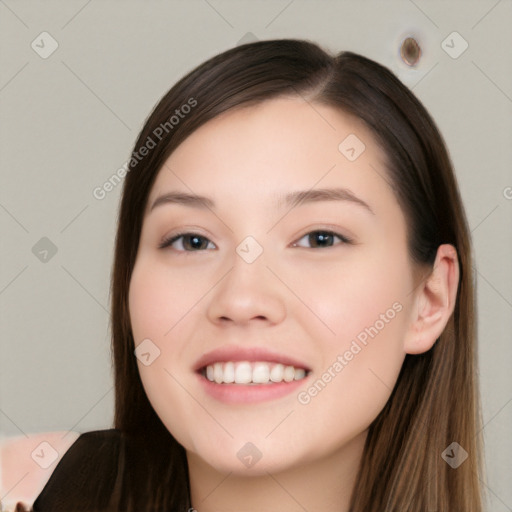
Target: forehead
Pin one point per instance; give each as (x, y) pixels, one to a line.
(273, 147)
(280, 123)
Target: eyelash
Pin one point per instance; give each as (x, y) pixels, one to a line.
(173, 238)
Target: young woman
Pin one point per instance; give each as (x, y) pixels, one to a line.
(292, 301)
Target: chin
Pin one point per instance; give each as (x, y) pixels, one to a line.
(245, 458)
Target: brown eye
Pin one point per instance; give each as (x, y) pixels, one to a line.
(189, 242)
(323, 239)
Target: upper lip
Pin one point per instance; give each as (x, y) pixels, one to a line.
(230, 353)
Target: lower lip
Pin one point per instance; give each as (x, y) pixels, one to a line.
(250, 393)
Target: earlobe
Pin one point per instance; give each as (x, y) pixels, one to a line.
(435, 302)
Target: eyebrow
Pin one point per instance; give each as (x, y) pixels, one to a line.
(290, 200)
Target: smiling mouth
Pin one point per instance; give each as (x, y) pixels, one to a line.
(252, 373)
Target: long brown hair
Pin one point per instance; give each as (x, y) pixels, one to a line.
(435, 401)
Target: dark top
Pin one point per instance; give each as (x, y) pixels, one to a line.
(111, 470)
(94, 453)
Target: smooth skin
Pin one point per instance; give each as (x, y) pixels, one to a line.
(21, 478)
(301, 297)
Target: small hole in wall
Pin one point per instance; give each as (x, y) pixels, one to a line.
(410, 51)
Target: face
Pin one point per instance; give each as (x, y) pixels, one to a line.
(322, 284)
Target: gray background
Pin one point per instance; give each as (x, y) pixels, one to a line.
(68, 122)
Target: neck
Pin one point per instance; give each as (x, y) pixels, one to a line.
(322, 484)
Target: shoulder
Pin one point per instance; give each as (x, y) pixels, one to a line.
(28, 463)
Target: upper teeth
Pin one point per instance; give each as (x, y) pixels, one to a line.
(245, 372)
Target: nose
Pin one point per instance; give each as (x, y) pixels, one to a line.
(248, 293)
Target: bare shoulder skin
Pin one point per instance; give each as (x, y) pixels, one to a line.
(27, 463)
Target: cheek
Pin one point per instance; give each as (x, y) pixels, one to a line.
(360, 366)
(156, 309)
(158, 299)
(362, 351)
(370, 289)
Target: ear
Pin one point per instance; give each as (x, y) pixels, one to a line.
(434, 302)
